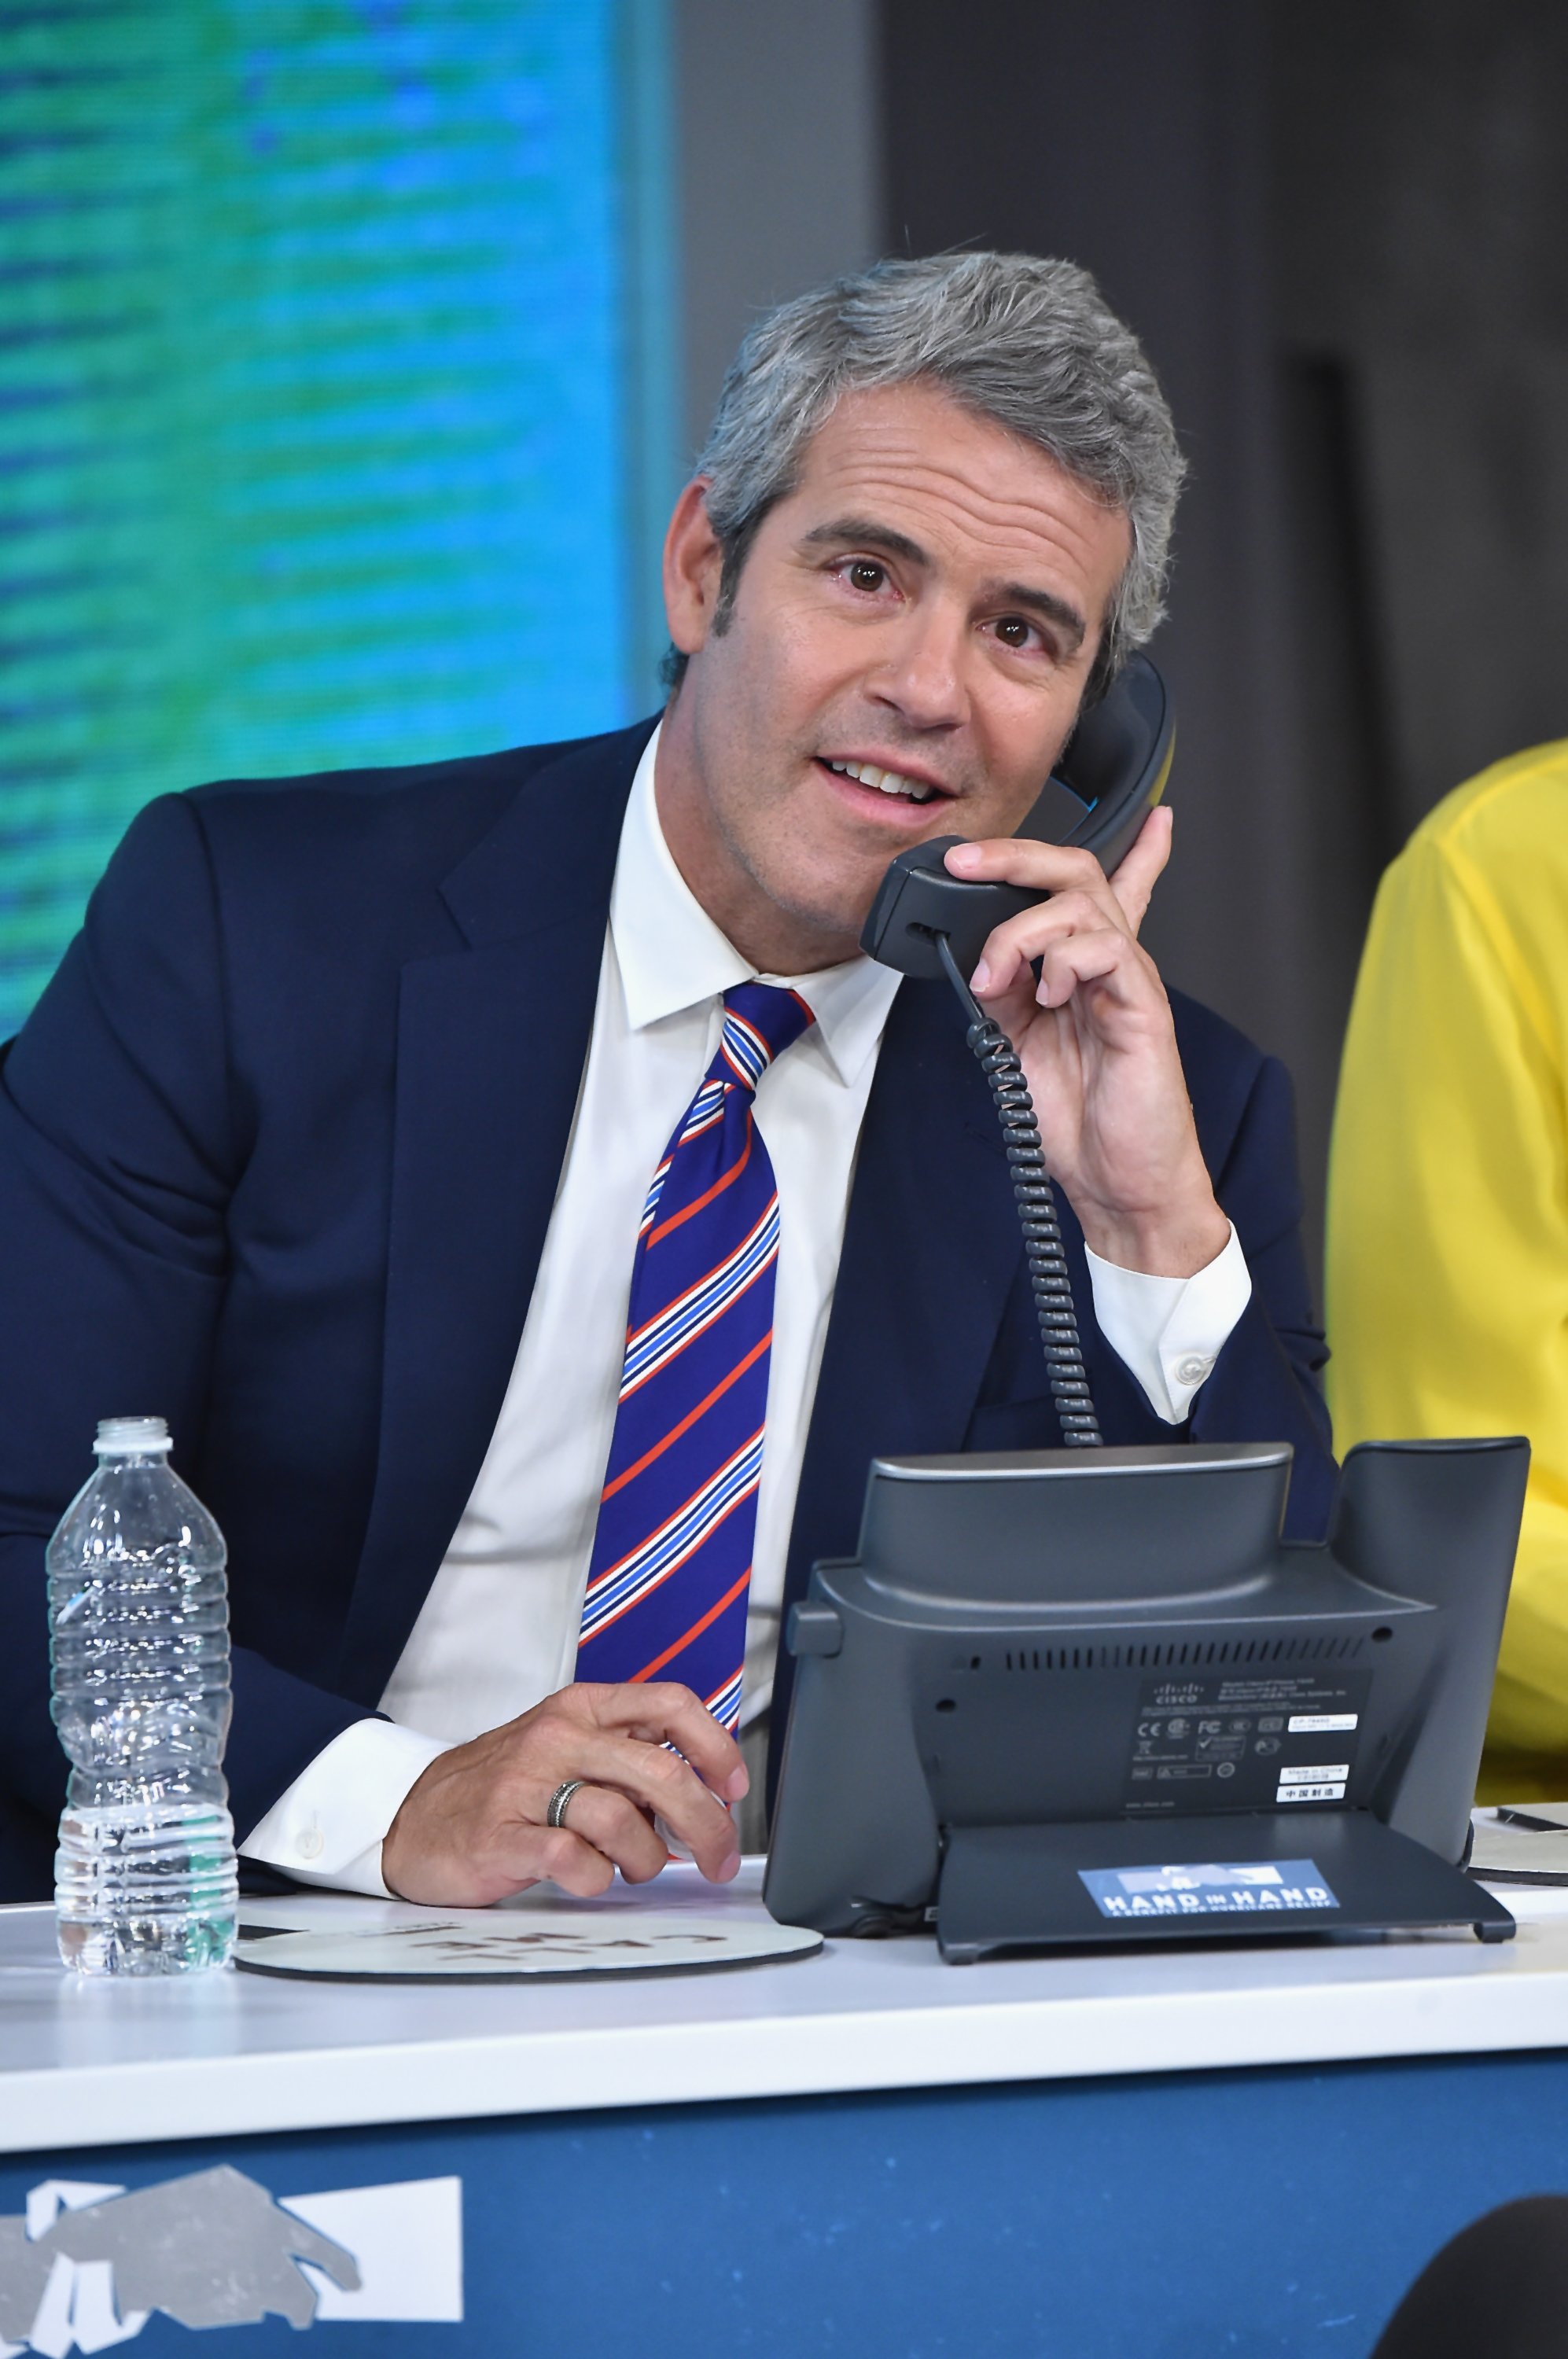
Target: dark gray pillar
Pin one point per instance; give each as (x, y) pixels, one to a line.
(779, 165)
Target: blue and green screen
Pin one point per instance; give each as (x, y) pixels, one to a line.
(335, 400)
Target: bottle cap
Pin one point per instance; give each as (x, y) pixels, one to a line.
(131, 1437)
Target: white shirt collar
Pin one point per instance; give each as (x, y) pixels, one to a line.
(673, 956)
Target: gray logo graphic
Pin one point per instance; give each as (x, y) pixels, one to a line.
(87, 2265)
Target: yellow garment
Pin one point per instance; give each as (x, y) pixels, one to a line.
(1448, 1197)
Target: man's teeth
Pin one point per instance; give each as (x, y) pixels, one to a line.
(891, 782)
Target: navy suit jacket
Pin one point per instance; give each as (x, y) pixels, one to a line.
(277, 1150)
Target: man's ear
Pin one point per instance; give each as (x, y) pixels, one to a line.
(693, 562)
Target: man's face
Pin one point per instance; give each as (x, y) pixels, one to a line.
(910, 637)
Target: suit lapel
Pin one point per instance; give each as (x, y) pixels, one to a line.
(931, 1249)
(491, 1045)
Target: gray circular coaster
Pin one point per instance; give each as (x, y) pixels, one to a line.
(513, 1948)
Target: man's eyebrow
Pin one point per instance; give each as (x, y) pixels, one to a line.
(865, 533)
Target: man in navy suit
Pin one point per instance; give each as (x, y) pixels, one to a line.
(330, 1138)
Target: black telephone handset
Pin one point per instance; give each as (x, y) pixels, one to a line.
(1107, 783)
(925, 922)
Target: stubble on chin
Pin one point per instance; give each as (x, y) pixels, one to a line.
(825, 899)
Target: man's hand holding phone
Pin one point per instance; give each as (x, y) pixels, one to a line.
(1098, 1047)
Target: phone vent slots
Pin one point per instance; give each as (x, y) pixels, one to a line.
(1178, 1654)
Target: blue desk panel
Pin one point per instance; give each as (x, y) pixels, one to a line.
(1265, 2214)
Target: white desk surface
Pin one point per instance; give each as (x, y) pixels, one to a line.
(86, 2063)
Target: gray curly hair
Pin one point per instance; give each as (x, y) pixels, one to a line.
(1026, 342)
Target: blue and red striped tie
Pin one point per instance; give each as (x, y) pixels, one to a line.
(671, 1562)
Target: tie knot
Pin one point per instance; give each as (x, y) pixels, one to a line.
(760, 1021)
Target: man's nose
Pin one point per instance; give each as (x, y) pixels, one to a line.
(922, 677)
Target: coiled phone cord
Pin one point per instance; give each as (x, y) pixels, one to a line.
(1036, 1199)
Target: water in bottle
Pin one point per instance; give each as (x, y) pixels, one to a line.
(145, 1876)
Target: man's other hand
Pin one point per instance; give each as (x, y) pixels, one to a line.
(471, 1830)
(1098, 1047)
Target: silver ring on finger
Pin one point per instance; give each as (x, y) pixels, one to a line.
(559, 1802)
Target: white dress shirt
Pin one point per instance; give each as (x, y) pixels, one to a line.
(498, 1630)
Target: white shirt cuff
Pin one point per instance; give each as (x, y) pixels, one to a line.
(327, 1827)
(1170, 1330)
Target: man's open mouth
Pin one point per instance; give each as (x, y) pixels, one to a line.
(886, 782)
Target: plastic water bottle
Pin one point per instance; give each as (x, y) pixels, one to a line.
(145, 1876)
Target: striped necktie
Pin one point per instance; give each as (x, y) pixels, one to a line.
(671, 1562)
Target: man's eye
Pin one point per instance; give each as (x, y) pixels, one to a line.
(1014, 632)
(863, 574)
